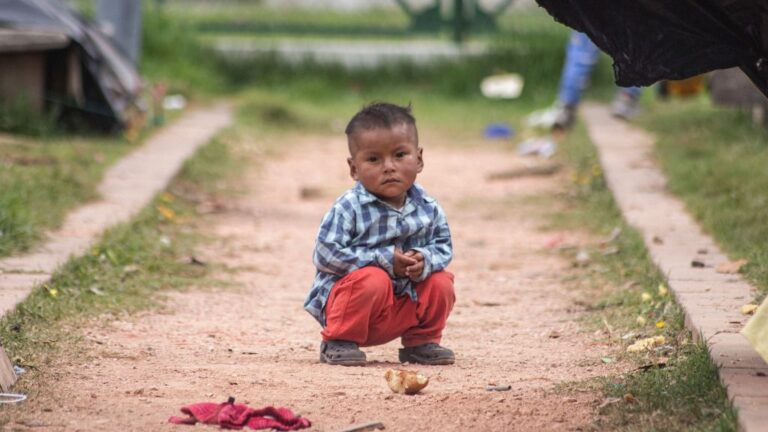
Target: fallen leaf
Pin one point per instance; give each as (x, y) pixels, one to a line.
(582, 258)
(645, 344)
(640, 320)
(628, 336)
(660, 324)
(130, 268)
(94, 289)
(646, 297)
(166, 212)
(613, 236)
(748, 309)
(609, 401)
(659, 364)
(663, 290)
(731, 267)
(607, 360)
(629, 398)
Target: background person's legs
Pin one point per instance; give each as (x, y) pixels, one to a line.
(625, 103)
(581, 56)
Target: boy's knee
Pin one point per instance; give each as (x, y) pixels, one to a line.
(442, 285)
(371, 272)
(371, 281)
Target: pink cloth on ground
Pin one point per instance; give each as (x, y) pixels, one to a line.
(229, 415)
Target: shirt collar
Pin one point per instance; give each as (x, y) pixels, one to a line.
(415, 195)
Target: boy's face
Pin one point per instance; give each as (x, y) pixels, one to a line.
(386, 161)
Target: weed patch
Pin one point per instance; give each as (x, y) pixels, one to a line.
(679, 389)
(123, 273)
(715, 160)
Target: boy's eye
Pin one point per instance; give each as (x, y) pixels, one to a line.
(372, 159)
(401, 154)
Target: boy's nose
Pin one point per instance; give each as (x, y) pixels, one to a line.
(389, 164)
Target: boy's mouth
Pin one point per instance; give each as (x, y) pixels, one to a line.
(388, 181)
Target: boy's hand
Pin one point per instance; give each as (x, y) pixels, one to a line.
(403, 261)
(414, 270)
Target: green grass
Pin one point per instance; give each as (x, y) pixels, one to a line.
(256, 18)
(123, 273)
(676, 397)
(42, 178)
(715, 160)
(684, 395)
(530, 44)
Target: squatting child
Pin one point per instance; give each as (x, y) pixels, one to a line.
(382, 250)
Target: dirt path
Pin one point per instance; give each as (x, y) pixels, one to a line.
(514, 321)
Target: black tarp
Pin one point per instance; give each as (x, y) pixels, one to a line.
(114, 78)
(653, 40)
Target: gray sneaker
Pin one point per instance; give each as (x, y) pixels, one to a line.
(565, 117)
(557, 116)
(625, 106)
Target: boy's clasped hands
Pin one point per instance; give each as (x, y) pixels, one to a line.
(408, 264)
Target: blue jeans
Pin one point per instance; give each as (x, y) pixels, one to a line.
(581, 56)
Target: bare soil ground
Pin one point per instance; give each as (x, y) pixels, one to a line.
(515, 321)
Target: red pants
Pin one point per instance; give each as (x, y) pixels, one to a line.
(362, 308)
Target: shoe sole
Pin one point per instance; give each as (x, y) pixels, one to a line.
(351, 362)
(431, 362)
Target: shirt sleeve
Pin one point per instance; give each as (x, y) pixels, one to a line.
(335, 253)
(438, 252)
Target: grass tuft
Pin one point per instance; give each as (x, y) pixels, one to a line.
(630, 303)
(715, 160)
(123, 273)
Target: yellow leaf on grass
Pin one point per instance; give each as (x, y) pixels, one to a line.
(661, 324)
(166, 197)
(663, 290)
(166, 212)
(646, 297)
(647, 343)
(748, 309)
(640, 320)
(731, 266)
(53, 292)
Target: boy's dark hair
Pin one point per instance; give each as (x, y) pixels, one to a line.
(380, 115)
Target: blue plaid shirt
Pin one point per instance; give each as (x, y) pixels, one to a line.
(360, 230)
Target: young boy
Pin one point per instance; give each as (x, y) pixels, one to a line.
(382, 250)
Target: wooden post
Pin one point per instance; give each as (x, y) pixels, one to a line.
(7, 374)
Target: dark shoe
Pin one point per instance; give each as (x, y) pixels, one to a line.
(428, 354)
(344, 353)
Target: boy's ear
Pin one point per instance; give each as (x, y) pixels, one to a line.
(421, 159)
(352, 168)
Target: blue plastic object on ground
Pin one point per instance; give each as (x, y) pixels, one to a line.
(498, 130)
